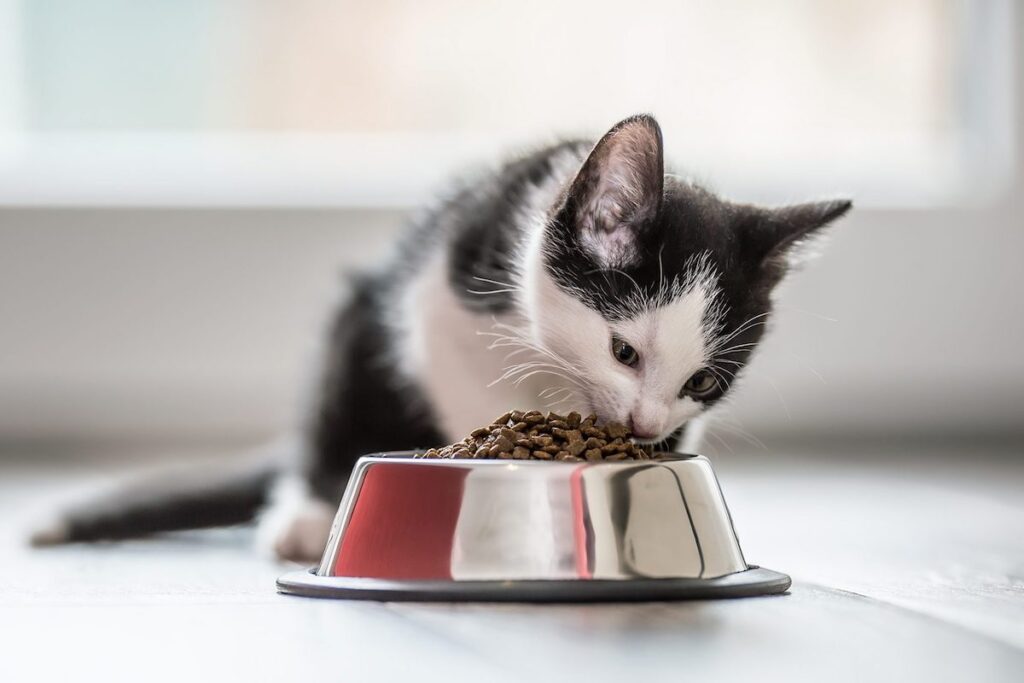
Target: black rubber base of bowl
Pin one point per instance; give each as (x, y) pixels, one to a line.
(754, 581)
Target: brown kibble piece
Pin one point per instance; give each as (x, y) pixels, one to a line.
(520, 453)
(503, 443)
(576, 447)
(503, 419)
(616, 430)
(541, 455)
(593, 455)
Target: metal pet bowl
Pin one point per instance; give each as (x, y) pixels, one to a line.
(532, 531)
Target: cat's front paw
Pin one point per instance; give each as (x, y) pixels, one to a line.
(305, 537)
(295, 526)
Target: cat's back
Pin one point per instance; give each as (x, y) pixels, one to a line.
(481, 223)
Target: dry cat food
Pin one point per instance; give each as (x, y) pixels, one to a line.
(519, 435)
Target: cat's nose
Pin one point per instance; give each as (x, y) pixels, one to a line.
(642, 429)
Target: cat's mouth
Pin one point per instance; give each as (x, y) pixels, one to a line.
(588, 405)
(660, 441)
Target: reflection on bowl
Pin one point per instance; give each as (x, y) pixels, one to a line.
(492, 523)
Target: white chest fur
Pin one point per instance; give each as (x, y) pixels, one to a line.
(444, 349)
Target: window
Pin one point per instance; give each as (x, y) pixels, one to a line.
(344, 103)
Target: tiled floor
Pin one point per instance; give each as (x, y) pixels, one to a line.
(908, 565)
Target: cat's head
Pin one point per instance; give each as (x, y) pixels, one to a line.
(653, 291)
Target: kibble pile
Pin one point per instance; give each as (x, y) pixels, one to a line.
(519, 435)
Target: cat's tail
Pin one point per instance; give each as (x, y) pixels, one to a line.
(201, 497)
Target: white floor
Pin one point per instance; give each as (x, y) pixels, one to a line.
(908, 565)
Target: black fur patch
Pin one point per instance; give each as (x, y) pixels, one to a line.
(483, 222)
(362, 405)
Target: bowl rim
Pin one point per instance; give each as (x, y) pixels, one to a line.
(751, 582)
(409, 456)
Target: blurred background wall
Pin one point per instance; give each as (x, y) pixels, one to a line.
(181, 185)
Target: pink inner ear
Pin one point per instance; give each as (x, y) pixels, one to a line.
(605, 214)
(611, 249)
(629, 179)
(619, 201)
(618, 189)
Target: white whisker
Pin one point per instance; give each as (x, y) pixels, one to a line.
(743, 434)
(507, 285)
(785, 406)
(821, 378)
(819, 316)
(749, 324)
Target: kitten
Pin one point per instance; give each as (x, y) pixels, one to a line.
(579, 277)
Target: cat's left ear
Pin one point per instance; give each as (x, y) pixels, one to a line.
(778, 234)
(617, 192)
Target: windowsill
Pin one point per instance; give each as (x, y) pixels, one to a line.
(292, 170)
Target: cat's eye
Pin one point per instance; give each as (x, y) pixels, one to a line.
(700, 384)
(624, 353)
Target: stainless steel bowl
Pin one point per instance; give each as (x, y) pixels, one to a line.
(416, 529)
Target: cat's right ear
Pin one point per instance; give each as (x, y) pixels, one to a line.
(617, 192)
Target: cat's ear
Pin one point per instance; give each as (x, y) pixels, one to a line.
(776, 237)
(617, 191)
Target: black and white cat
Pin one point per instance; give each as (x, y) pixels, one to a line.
(580, 277)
